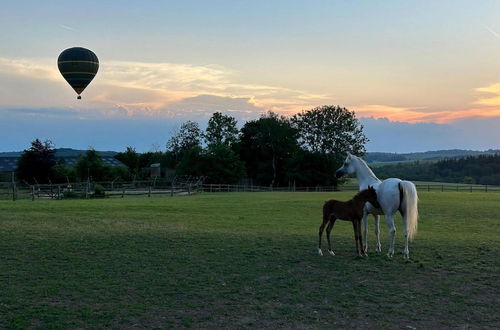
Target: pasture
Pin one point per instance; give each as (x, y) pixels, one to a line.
(243, 260)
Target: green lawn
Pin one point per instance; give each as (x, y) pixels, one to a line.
(242, 261)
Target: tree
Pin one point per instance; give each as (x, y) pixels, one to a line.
(221, 129)
(222, 165)
(330, 130)
(91, 166)
(130, 158)
(192, 162)
(189, 136)
(267, 146)
(36, 163)
(309, 168)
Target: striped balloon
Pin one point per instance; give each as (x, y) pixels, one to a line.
(78, 66)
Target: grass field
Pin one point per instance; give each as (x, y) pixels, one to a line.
(243, 261)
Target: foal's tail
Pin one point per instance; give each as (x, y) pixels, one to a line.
(409, 204)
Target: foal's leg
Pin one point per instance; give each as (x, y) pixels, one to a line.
(389, 218)
(328, 231)
(378, 249)
(321, 228)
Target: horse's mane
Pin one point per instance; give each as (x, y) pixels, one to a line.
(367, 167)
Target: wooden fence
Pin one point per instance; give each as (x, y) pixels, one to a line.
(14, 191)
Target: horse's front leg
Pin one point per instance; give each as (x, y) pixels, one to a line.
(378, 248)
(357, 236)
(364, 226)
(360, 238)
(328, 231)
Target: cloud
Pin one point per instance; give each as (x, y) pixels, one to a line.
(490, 95)
(486, 105)
(147, 88)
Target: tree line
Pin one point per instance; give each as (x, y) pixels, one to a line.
(483, 169)
(273, 150)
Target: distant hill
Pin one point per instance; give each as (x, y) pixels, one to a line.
(8, 160)
(62, 153)
(387, 157)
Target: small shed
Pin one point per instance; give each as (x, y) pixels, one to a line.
(155, 170)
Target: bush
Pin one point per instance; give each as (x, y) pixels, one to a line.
(99, 191)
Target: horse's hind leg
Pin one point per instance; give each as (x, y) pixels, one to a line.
(389, 218)
(406, 251)
(328, 231)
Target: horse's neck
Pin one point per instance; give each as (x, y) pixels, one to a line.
(365, 176)
(359, 202)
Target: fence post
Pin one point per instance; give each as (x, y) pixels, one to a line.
(123, 192)
(172, 190)
(14, 192)
(32, 193)
(58, 192)
(149, 191)
(442, 187)
(486, 188)
(428, 187)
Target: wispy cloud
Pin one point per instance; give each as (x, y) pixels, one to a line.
(489, 95)
(492, 31)
(69, 28)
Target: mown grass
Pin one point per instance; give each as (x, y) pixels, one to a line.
(242, 261)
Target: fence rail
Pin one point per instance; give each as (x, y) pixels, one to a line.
(14, 191)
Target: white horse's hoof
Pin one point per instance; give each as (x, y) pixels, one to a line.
(320, 252)
(331, 253)
(378, 249)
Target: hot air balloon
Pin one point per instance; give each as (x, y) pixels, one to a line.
(78, 66)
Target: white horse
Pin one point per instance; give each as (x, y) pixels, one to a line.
(393, 195)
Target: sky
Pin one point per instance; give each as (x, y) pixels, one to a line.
(420, 75)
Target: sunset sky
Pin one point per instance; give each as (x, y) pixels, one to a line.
(420, 75)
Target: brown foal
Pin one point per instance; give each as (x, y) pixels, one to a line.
(351, 210)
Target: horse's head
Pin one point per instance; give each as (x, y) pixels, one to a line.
(347, 167)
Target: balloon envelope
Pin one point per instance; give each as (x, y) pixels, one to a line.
(78, 66)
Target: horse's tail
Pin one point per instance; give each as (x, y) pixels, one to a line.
(409, 205)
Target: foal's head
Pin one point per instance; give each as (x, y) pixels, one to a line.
(369, 195)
